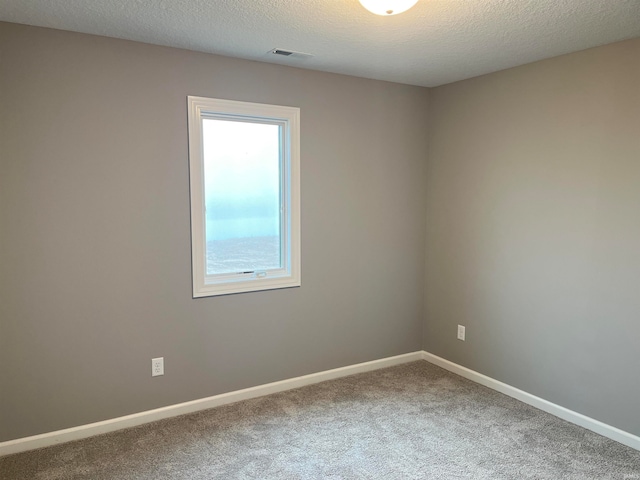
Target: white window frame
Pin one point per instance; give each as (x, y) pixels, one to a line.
(205, 285)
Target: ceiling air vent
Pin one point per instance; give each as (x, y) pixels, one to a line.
(290, 53)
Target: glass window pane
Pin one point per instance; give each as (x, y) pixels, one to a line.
(242, 196)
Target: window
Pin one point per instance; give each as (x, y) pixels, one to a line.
(245, 196)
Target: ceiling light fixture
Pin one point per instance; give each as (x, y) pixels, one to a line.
(388, 7)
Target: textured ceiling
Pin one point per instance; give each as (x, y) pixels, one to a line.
(436, 42)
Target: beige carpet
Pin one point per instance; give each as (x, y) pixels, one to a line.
(414, 421)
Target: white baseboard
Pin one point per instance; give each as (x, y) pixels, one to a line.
(91, 429)
(569, 415)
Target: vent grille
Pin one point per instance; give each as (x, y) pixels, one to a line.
(284, 53)
(289, 53)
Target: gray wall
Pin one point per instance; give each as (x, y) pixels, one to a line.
(95, 273)
(532, 195)
(533, 229)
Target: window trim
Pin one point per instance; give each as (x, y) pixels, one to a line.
(289, 117)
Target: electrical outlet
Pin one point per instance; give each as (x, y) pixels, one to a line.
(461, 332)
(157, 366)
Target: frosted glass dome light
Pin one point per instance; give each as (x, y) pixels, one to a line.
(388, 7)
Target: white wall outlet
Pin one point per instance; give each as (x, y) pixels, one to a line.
(461, 332)
(157, 366)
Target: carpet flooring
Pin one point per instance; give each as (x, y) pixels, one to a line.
(413, 421)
